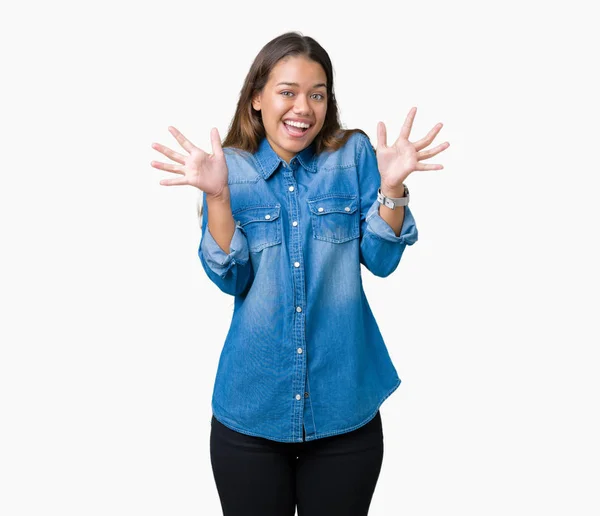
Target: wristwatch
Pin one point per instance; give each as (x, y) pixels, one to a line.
(392, 202)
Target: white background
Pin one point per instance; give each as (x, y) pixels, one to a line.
(111, 331)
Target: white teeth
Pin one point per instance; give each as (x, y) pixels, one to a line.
(302, 125)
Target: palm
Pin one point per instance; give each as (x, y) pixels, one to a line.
(207, 172)
(401, 156)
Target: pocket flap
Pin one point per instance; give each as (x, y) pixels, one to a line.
(333, 204)
(260, 213)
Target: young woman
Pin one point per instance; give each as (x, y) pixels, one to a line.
(293, 204)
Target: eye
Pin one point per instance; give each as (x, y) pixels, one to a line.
(319, 95)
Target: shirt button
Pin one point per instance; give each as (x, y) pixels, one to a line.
(295, 223)
(296, 264)
(300, 350)
(320, 209)
(291, 188)
(298, 309)
(298, 396)
(306, 394)
(347, 208)
(267, 216)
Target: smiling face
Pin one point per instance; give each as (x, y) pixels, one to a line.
(296, 92)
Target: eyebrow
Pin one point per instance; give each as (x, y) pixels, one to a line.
(320, 85)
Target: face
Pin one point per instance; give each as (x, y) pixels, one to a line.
(295, 92)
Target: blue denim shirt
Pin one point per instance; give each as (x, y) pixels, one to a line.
(304, 357)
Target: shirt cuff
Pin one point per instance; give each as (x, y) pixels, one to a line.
(379, 227)
(217, 259)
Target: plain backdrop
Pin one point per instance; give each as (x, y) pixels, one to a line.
(111, 331)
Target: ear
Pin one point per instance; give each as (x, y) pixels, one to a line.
(256, 102)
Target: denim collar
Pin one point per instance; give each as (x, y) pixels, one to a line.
(268, 160)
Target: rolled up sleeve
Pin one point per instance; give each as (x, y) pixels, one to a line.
(380, 248)
(231, 272)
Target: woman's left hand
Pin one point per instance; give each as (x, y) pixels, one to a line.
(399, 160)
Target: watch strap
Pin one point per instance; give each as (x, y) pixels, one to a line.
(392, 202)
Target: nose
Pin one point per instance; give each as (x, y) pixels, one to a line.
(301, 105)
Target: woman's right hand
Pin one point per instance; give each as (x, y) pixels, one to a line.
(208, 172)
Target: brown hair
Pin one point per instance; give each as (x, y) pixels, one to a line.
(247, 130)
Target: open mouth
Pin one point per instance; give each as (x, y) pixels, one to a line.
(296, 132)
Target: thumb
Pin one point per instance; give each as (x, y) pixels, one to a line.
(381, 135)
(215, 140)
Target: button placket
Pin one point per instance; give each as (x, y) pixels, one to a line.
(299, 288)
(296, 259)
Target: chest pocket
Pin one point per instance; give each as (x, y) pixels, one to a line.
(335, 217)
(261, 224)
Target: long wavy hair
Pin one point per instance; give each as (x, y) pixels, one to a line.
(247, 130)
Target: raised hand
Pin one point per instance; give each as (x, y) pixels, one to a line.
(397, 161)
(208, 172)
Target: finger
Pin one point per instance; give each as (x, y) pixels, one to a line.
(432, 152)
(175, 156)
(429, 137)
(174, 182)
(215, 141)
(167, 166)
(406, 128)
(183, 141)
(381, 135)
(423, 166)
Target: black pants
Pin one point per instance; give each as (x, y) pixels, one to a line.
(331, 476)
